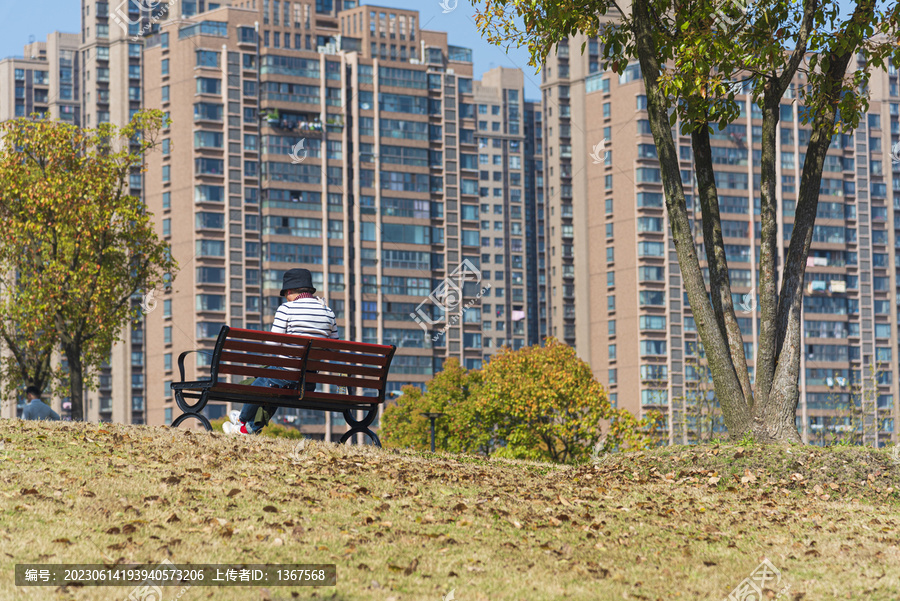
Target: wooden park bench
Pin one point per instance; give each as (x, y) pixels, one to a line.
(360, 367)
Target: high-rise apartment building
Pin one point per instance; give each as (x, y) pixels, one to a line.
(346, 140)
(620, 298)
(43, 81)
(110, 85)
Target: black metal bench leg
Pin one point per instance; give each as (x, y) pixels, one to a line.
(361, 425)
(198, 416)
(192, 411)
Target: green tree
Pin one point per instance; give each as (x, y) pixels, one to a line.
(690, 58)
(449, 392)
(401, 425)
(77, 247)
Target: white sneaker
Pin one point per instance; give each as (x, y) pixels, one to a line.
(238, 428)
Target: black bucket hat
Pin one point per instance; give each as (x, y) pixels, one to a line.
(296, 278)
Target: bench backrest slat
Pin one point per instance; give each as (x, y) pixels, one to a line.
(262, 360)
(240, 333)
(298, 349)
(259, 372)
(344, 368)
(338, 357)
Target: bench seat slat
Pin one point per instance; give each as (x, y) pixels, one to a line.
(344, 381)
(265, 349)
(251, 390)
(259, 372)
(351, 398)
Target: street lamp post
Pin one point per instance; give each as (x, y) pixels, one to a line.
(432, 416)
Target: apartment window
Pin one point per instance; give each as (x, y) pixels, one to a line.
(653, 347)
(207, 85)
(652, 322)
(164, 66)
(207, 58)
(651, 249)
(165, 93)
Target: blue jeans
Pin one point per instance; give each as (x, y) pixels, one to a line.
(249, 411)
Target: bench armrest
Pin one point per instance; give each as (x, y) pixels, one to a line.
(185, 354)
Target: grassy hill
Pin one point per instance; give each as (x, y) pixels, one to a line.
(678, 523)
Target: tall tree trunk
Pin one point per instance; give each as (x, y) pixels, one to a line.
(76, 380)
(766, 352)
(776, 419)
(719, 281)
(727, 385)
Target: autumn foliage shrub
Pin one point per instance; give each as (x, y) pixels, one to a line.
(539, 403)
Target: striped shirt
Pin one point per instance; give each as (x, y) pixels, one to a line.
(308, 316)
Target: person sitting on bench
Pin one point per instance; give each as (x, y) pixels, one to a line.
(303, 314)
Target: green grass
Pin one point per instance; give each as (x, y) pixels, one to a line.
(677, 523)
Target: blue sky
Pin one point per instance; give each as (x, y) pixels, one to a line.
(19, 19)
